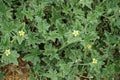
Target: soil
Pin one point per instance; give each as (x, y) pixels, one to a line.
(17, 72)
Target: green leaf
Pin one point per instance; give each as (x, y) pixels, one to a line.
(1, 76)
(20, 39)
(12, 58)
(65, 68)
(42, 24)
(5, 42)
(51, 51)
(52, 74)
(3, 8)
(53, 35)
(86, 3)
(7, 27)
(32, 58)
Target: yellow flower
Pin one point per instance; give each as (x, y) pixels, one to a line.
(21, 33)
(75, 33)
(94, 60)
(7, 52)
(89, 46)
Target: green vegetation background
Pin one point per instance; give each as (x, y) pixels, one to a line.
(49, 43)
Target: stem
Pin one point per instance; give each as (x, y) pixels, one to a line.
(83, 76)
(66, 44)
(102, 2)
(6, 3)
(13, 40)
(84, 64)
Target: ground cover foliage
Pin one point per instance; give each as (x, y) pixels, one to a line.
(62, 39)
